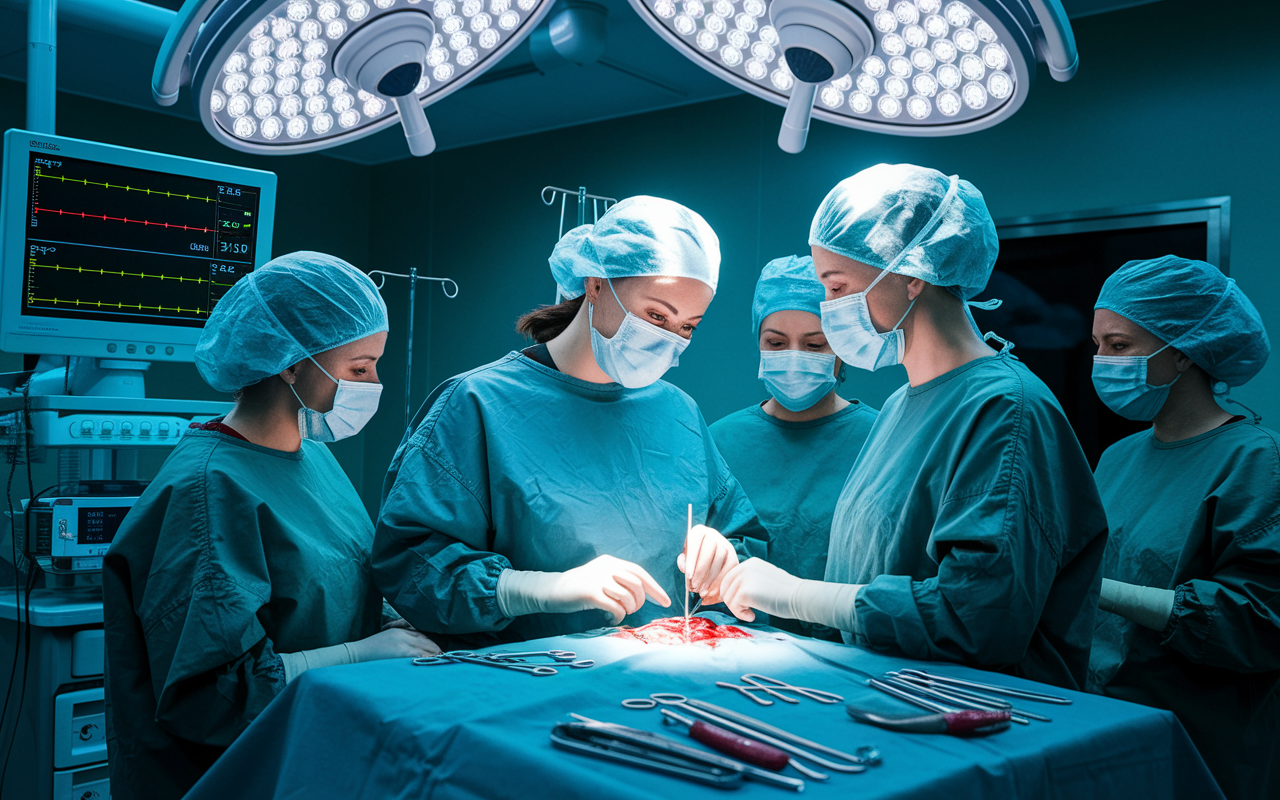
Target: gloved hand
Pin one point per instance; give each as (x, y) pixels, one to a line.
(393, 643)
(755, 583)
(607, 583)
(706, 560)
(1148, 606)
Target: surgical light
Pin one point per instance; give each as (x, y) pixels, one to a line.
(905, 67)
(302, 75)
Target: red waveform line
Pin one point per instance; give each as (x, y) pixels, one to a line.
(104, 217)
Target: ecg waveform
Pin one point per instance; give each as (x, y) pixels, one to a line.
(108, 242)
(108, 218)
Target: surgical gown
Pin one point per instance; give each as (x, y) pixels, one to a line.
(793, 473)
(972, 516)
(1202, 517)
(517, 465)
(233, 554)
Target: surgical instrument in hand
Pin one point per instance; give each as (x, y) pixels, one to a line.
(729, 743)
(956, 723)
(1021, 694)
(774, 687)
(866, 756)
(688, 530)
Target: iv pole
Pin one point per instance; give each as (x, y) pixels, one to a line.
(413, 277)
(583, 197)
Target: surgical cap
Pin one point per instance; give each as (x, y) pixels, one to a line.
(786, 284)
(1197, 310)
(293, 307)
(913, 221)
(638, 236)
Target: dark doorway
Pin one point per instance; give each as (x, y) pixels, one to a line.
(1049, 273)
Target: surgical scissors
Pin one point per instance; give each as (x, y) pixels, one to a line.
(467, 657)
(566, 657)
(775, 688)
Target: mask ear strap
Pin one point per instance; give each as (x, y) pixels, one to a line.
(322, 369)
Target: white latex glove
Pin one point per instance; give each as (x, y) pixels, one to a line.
(393, 643)
(1148, 606)
(706, 560)
(756, 583)
(607, 583)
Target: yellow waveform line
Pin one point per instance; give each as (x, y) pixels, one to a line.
(86, 182)
(123, 274)
(120, 306)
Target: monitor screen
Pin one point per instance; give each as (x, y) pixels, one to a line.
(122, 253)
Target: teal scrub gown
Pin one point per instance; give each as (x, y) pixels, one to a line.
(517, 465)
(234, 553)
(1202, 517)
(793, 472)
(972, 516)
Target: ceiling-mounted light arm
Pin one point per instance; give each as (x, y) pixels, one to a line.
(170, 70)
(822, 39)
(795, 123)
(386, 57)
(1059, 46)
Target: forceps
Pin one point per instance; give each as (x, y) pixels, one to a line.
(467, 657)
(775, 688)
(566, 657)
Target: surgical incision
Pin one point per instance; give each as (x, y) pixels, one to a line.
(672, 631)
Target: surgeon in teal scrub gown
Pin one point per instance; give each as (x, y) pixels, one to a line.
(970, 528)
(246, 561)
(547, 492)
(793, 452)
(1190, 608)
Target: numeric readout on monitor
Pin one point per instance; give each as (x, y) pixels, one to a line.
(113, 243)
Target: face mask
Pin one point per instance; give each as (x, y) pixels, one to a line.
(1121, 383)
(797, 379)
(851, 333)
(639, 353)
(353, 406)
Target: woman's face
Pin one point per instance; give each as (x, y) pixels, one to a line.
(356, 361)
(1115, 335)
(793, 330)
(843, 276)
(674, 304)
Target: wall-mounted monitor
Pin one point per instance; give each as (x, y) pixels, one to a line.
(111, 252)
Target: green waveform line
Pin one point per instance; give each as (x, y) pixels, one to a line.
(86, 182)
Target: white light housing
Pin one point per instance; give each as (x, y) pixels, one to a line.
(373, 61)
(952, 66)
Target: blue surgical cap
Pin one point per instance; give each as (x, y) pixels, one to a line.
(295, 306)
(786, 284)
(912, 221)
(1197, 310)
(638, 236)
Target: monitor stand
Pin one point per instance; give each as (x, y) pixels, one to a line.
(89, 377)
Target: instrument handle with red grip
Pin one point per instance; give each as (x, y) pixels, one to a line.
(739, 747)
(971, 720)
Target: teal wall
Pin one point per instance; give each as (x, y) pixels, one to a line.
(1170, 104)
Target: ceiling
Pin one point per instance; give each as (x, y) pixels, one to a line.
(638, 73)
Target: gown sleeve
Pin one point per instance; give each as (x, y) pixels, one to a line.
(438, 482)
(998, 539)
(212, 667)
(1231, 617)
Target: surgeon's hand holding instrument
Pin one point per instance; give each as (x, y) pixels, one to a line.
(707, 558)
(757, 584)
(607, 583)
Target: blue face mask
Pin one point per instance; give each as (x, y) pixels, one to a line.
(354, 405)
(1121, 383)
(639, 353)
(851, 333)
(797, 379)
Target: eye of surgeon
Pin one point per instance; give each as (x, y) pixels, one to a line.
(969, 528)
(527, 500)
(210, 594)
(793, 451)
(1190, 603)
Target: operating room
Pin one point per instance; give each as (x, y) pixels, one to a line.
(1121, 190)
